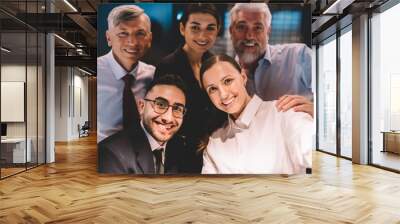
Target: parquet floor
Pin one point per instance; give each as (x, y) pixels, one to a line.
(70, 191)
(9, 171)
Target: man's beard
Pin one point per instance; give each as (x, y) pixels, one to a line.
(245, 57)
(248, 58)
(151, 127)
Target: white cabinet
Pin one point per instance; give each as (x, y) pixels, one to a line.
(17, 147)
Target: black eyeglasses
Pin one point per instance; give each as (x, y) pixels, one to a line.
(161, 105)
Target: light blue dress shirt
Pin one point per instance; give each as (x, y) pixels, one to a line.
(110, 87)
(284, 69)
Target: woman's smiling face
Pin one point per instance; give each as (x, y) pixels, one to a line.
(226, 87)
(200, 31)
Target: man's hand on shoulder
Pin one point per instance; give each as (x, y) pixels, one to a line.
(298, 103)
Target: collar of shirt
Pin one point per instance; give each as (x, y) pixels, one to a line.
(118, 70)
(267, 56)
(247, 115)
(153, 143)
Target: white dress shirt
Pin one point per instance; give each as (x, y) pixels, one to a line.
(261, 141)
(110, 87)
(154, 145)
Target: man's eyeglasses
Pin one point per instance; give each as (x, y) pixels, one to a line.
(161, 105)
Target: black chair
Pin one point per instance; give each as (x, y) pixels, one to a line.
(84, 130)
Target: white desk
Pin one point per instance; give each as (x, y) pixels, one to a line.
(18, 149)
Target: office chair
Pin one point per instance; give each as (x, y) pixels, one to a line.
(84, 130)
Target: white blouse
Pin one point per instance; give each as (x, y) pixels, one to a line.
(261, 141)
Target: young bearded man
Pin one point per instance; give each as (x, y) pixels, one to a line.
(149, 148)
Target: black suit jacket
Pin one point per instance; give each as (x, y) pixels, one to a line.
(201, 113)
(129, 152)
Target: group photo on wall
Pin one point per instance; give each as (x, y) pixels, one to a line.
(204, 88)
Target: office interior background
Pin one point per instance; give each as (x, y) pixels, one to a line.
(48, 84)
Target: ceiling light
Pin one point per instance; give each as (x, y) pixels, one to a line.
(70, 5)
(5, 50)
(65, 41)
(84, 71)
(337, 7)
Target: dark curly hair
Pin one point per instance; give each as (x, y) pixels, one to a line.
(168, 79)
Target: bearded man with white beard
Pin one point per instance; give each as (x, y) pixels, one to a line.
(122, 78)
(275, 72)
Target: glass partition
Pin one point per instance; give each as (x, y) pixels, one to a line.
(31, 98)
(22, 89)
(13, 95)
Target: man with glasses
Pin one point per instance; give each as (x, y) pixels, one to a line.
(122, 78)
(149, 148)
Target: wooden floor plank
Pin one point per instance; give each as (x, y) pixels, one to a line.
(71, 191)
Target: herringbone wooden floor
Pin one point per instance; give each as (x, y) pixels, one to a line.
(71, 191)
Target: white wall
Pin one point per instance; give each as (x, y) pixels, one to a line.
(71, 102)
(61, 103)
(80, 110)
(33, 127)
(15, 72)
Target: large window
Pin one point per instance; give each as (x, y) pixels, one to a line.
(346, 92)
(385, 88)
(327, 96)
(329, 112)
